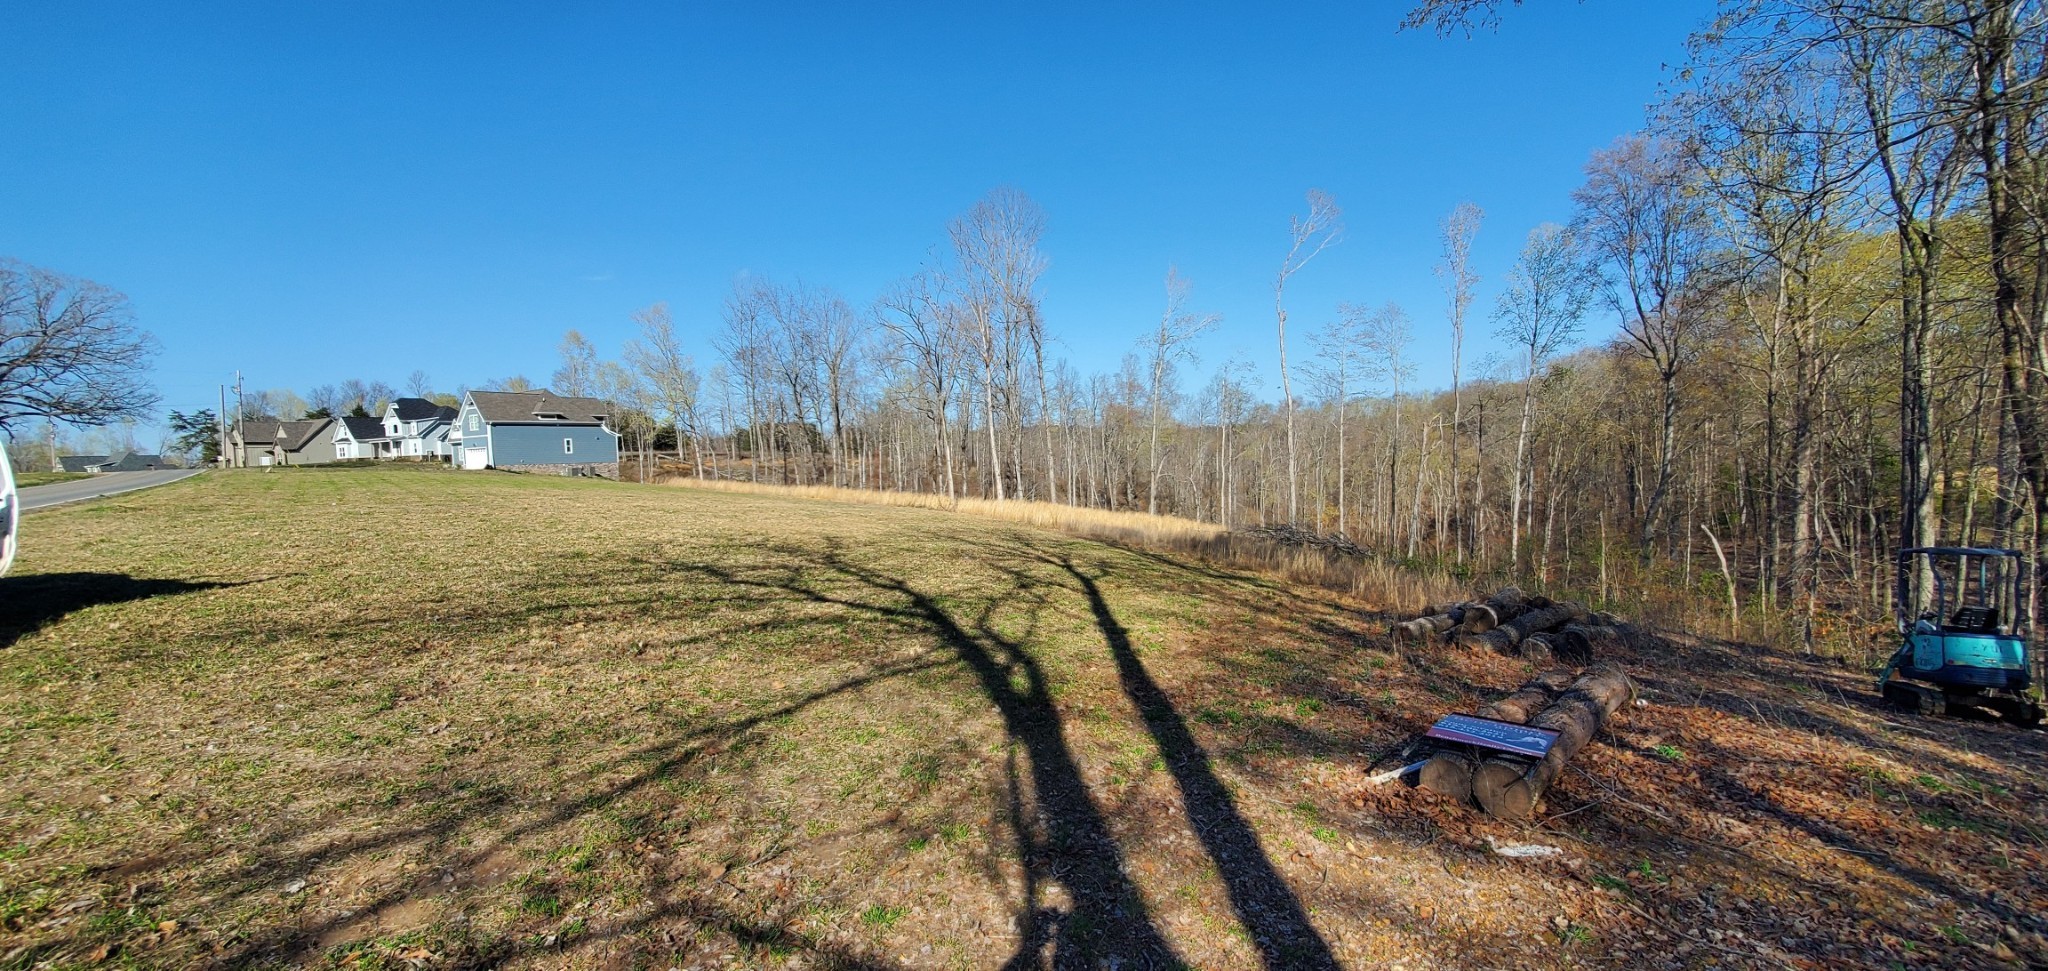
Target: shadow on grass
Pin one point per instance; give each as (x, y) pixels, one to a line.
(29, 602)
(1266, 907)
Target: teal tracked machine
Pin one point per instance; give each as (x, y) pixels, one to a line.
(1963, 624)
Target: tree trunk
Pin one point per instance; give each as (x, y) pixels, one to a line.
(1450, 772)
(1508, 637)
(1510, 788)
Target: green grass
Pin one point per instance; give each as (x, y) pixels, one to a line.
(494, 717)
(26, 480)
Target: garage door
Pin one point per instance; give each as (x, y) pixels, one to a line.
(474, 458)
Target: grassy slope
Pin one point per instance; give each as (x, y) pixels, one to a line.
(406, 716)
(28, 479)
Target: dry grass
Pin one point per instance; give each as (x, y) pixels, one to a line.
(1375, 581)
(405, 718)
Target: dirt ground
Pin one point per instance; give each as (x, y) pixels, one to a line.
(405, 718)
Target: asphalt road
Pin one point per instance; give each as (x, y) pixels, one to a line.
(105, 484)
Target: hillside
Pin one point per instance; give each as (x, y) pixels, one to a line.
(409, 718)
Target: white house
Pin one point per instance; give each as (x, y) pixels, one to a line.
(416, 428)
(358, 438)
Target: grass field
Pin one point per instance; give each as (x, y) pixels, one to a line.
(417, 718)
(27, 479)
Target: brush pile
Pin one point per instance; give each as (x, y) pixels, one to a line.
(1290, 534)
(1515, 623)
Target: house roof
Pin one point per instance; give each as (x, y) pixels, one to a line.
(81, 463)
(133, 462)
(421, 409)
(363, 429)
(538, 407)
(293, 435)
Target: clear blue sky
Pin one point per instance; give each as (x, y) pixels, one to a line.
(309, 192)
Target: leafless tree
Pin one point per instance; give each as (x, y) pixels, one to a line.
(670, 375)
(1643, 217)
(1539, 314)
(1460, 281)
(577, 377)
(1171, 344)
(418, 384)
(1308, 236)
(69, 351)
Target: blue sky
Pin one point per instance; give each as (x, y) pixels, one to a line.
(309, 192)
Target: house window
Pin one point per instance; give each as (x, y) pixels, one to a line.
(474, 423)
(568, 446)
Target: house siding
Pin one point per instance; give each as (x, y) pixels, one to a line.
(527, 445)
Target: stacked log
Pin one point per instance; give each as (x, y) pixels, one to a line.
(1517, 623)
(1508, 637)
(1450, 772)
(1510, 788)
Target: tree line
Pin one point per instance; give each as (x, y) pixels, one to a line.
(1824, 255)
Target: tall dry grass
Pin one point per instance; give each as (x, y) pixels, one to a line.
(1383, 586)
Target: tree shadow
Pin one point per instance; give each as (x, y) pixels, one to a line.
(1266, 907)
(31, 601)
(1061, 836)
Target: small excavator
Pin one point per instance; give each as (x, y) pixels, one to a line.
(1963, 624)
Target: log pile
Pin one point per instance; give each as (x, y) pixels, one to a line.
(1508, 786)
(1517, 623)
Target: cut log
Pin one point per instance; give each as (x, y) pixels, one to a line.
(1450, 773)
(1510, 788)
(1509, 636)
(1420, 629)
(1444, 608)
(1479, 618)
(1538, 647)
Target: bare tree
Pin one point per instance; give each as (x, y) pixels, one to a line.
(1308, 236)
(1171, 344)
(1459, 283)
(996, 244)
(670, 375)
(927, 331)
(577, 377)
(69, 351)
(1642, 216)
(418, 384)
(1539, 313)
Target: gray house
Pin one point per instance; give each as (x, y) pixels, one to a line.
(308, 442)
(132, 462)
(535, 431)
(81, 463)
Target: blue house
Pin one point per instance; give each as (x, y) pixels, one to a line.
(535, 431)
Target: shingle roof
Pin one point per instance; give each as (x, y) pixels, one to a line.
(293, 435)
(421, 409)
(530, 407)
(78, 463)
(363, 429)
(135, 462)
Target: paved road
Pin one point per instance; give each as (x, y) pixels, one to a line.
(106, 484)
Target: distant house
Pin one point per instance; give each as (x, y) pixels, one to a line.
(308, 442)
(358, 438)
(81, 463)
(536, 431)
(416, 428)
(132, 462)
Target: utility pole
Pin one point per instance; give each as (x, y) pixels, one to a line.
(239, 407)
(55, 466)
(222, 417)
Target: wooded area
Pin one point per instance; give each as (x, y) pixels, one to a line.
(1824, 256)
